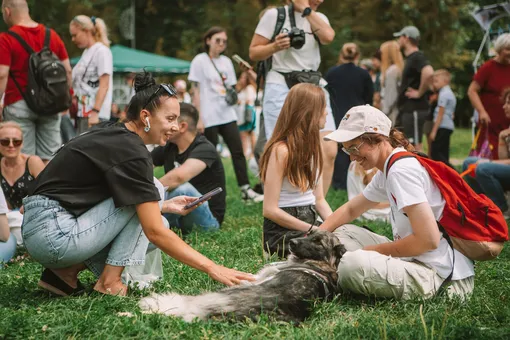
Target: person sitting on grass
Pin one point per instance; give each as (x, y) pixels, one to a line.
(419, 260)
(17, 173)
(357, 180)
(492, 178)
(192, 168)
(96, 205)
(291, 170)
(7, 239)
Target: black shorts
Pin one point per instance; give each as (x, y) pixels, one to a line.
(412, 123)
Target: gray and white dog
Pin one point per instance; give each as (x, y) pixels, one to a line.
(284, 290)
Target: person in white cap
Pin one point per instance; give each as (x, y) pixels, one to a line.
(419, 260)
(412, 101)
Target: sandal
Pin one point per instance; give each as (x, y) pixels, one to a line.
(54, 284)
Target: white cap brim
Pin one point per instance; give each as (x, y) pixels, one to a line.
(341, 136)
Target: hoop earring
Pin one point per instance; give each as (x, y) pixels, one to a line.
(148, 127)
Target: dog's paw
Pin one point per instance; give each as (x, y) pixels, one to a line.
(149, 304)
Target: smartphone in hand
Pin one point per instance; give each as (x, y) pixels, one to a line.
(203, 198)
(241, 61)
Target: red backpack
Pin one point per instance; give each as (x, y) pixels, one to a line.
(473, 222)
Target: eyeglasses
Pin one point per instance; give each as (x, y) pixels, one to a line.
(166, 87)
(353, 150)
(219, 41)
(7, 142)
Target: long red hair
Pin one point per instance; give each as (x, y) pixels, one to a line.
(298, 128)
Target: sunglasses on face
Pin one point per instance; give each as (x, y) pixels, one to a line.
(353, 150)
(220, 41)
(7, 142)
(167, 88)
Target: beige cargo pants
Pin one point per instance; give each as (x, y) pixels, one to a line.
(373, 274)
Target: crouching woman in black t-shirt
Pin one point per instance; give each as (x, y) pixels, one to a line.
(96, 206)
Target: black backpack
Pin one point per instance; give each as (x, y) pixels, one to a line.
(47, 91)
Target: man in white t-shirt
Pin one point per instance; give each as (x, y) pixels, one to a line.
(7, 240)
(285, 59)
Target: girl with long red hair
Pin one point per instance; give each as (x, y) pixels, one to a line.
(291, 170)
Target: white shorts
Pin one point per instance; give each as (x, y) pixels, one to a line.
(274, 97)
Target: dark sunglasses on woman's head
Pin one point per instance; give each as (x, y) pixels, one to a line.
(7, 142)
(166, 87)
(219, 41)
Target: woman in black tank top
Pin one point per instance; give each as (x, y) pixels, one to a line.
(17, 170)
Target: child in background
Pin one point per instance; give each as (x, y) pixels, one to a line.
(443, 117)
(357, 179)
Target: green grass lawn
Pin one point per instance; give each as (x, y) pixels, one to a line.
(26, 312)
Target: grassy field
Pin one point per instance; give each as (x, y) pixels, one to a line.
(26, 312)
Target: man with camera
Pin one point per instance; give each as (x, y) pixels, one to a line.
(289, 37)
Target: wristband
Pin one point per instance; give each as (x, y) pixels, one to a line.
(311, 227)
(95, 110)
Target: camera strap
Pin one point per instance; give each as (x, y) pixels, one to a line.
(292, 17)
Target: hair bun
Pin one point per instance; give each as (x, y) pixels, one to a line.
(143, 81)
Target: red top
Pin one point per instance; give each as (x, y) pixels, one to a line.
(493, 78)
(12, 54)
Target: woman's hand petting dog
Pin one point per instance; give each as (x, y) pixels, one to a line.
(176, 205)
(228, 276)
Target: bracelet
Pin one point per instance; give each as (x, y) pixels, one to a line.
(311, 227)
(95, 110)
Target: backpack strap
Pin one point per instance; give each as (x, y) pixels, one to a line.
(397, 156)
(47, 38)
(447, 281)
(261, 65)
(23, 43)
(29, 50)
(280, 20)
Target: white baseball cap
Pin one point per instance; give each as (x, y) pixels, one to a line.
(359, 120)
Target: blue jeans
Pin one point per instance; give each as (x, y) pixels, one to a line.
(7, 250)
(491, 179)
(201, 217)
(102, 235)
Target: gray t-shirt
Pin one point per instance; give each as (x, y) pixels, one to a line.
(447, 100)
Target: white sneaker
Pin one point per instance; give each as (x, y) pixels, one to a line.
(250, 196)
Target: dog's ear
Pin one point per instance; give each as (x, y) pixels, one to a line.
(339, 251)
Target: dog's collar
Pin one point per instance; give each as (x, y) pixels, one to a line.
(318, 276)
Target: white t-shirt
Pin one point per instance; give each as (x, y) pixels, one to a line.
(214, 110)
(355, 187)
(246, 96)
(408, 183)
(94, 62)
(306, 58)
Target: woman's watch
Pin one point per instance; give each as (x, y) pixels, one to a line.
(306, 12)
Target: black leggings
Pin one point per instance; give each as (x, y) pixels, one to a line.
(230, 134)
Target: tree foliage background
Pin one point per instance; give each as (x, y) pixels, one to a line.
(450, 36)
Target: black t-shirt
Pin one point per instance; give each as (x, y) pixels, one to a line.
(348, 86)
(212, 177)
(107, 161)
(411, 77)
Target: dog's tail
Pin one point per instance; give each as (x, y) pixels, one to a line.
(187, 307)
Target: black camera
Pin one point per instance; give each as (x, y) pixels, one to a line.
(297, 37)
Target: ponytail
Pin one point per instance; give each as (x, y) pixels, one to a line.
(101, 32)
(397, 139)
(95, 25)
